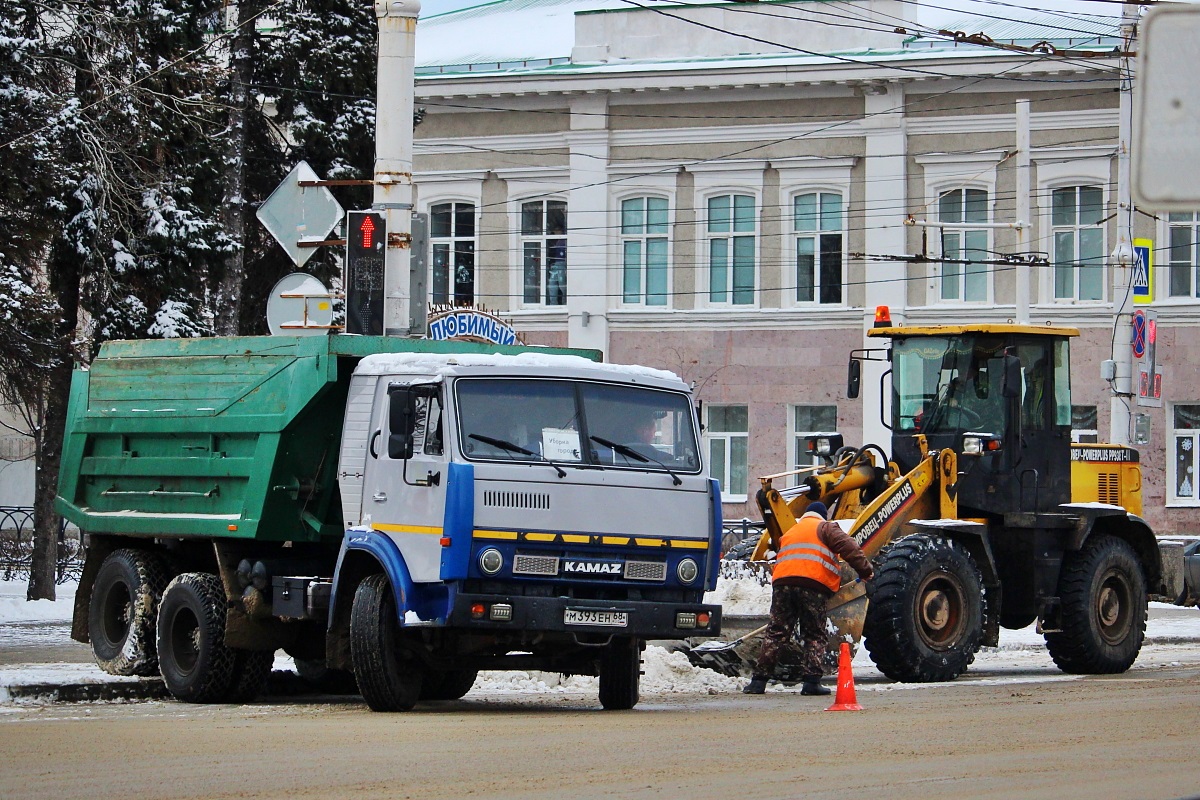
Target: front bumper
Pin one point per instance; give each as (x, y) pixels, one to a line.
(645, 619)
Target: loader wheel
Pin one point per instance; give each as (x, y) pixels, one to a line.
(449, 685)
(123, 612)
(925, 618)
(1103, 595)
(620, 674)
(389, 679)
(195, 664)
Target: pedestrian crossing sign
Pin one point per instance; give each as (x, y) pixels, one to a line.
(1143, 271)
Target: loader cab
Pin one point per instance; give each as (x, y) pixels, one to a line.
(1000, 397)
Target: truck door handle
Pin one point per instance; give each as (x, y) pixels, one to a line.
(379, 497)
(371, 446)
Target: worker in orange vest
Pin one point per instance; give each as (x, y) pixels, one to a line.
(805, 576)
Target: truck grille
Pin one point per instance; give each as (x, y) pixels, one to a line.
(523, 500)
(645, 570)
(535, 565)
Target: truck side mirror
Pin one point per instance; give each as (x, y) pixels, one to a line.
(853, 378)
(402, 421)
(1012, 377)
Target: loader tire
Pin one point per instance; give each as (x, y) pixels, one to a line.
(620, 674)
(1103, 593)
(251, 668)
(389, 679)
(449, 685)
(925, 618)
(195, 664)
(123, 612)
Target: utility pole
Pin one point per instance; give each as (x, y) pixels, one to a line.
(1021, 189)
(1122, 254)
(394, 152)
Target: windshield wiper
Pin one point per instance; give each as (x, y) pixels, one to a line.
(516, 448)
(629, 452)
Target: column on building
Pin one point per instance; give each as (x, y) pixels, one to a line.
(884, 197)
(588, 221)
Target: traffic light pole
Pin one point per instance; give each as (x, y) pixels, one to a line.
(394, 153)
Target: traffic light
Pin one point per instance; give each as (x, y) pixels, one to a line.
(366, 243)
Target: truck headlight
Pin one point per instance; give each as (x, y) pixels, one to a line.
(687, 570)
(490, 561)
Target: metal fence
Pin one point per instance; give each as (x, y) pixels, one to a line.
(736, 531)
(16, 547)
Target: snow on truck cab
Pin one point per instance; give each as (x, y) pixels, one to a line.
(393, 513)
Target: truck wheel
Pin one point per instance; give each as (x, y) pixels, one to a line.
(620, 673)
(123, 611)
(449, 685)
(195, 664)
(1103, 595)
(388, 681)
(925, 617)
(251, 668)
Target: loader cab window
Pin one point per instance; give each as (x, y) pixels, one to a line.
(948, 384)
(1045, 385)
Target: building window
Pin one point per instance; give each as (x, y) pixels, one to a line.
(966, 283)
(544, 251)
(452, 237)
(1076, 214)
(731, 228)
(644, 250)
(809, 421)
(728, 435)
(1186, 436)
(1183, 236)
(1084, 427)
(818, 224)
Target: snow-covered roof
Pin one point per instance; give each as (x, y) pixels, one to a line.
(544, 364)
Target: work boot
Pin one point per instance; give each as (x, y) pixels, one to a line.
(812, 686)
(757, 685)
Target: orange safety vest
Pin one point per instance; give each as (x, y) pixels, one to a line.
(802, 554)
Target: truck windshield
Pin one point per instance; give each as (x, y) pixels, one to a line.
(945, 384)
(567, 422)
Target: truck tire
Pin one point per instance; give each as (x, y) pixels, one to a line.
(620, 674)
(251, 668)
(925, 618)
(123, 612)
(195, 664)
(449, 685)
(1103, 593)
(388, 680)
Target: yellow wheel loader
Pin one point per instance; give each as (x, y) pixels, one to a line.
(985, 515)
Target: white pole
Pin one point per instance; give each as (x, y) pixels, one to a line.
(1023, 222)
(1122, 254)
(394, 151)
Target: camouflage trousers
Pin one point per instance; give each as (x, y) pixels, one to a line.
(803, 610)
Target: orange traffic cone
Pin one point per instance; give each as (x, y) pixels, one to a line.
(845, 700)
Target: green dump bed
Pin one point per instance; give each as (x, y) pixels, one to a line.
(232, 437)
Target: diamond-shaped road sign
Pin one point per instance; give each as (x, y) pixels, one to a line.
(295, 213)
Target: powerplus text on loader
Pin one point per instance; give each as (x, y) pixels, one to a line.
(985, 516)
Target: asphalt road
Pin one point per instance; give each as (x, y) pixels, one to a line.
(1012, 727)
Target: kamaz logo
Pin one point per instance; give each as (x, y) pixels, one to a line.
(592, 567)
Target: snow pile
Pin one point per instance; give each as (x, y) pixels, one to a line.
(15, 608)
(741, 597)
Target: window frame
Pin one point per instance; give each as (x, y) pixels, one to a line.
(1169, 263)
(1050, 238)
(708, 236)
(1172, 498)
(798, 437)
(643, 238)
(961, 229)
(795, 236)
(726, 467)
(453, 239)
(543, 240)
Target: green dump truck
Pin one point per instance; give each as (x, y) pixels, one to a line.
(395, 514)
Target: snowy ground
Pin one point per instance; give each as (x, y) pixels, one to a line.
(1173, 637)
